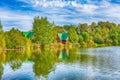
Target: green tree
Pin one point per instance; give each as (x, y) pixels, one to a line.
(109, 42)
(80, 38)
(98, 39)
(66, 27)
(85, 36)
(83, 27)
(73, 37)
(119, 37)
(1, 27)
(43, 31)
(14, 38)
(93, 26)
(114, 36)
(2, 38)
(2, 41)
(58, 29)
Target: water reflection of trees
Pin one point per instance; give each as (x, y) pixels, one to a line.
(67, 55)
(13, 58)
(101, 58)
(44, 62)
(1, 71)
(83, 58)
(87, 59)
(2, 60)
(16, 64)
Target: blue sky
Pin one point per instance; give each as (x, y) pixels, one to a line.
(20, 13)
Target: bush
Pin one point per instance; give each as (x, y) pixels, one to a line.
(98, 39)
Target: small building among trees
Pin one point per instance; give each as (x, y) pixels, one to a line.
(28, 34)
(62, 37)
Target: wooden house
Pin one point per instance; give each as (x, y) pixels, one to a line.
(28, 34)
(62, 37)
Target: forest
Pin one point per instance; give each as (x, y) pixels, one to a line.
(103, 33)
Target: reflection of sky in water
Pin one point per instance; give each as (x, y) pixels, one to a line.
(67, 72)
(24, 73)
(61, 71)
(107, 57)
(76, 72)
(101, 51)
(106, 67)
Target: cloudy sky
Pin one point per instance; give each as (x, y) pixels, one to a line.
(20, 13)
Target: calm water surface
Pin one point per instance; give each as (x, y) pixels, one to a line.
(74, 64)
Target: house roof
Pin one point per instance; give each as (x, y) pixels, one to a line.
(63, 36)
(28, 34)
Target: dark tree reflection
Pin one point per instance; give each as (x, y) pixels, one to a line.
(1, 70)
(44, 62)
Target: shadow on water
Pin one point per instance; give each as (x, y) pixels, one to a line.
(61, 64)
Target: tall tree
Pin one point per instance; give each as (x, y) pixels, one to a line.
(83, 27)
(2, 38)
(73, 36)
(1, 27)
(14, 38)
(43, 31)
(85, 36)
(93, 25)
(66, 27)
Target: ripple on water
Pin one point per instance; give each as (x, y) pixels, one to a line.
(67, 72)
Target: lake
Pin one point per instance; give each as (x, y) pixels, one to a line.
(73, 64)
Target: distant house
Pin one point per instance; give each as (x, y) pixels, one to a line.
(62, 37)
(28, 34)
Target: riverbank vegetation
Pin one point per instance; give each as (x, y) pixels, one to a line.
(45, 33)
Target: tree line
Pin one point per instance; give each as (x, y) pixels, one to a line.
(45, 32)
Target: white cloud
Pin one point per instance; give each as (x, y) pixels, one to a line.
(109, 10)
(12, 15)
(45, 3)
(88, 8)
(21, 21)
(61, 12)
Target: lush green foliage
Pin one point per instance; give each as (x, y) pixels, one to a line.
(43, 61)
(43, 31)
(14, 38)
(73, 37)
(101, 34)
(2, 41)
(2, 38)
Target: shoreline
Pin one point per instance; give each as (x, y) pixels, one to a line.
(57, 46)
